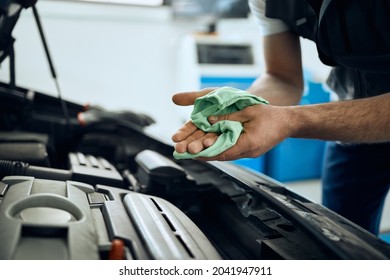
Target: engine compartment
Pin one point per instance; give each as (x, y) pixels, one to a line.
(129, 189)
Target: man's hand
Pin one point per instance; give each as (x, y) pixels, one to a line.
(264, 127)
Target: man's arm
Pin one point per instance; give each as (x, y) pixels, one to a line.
(364, 120)
(282, 81)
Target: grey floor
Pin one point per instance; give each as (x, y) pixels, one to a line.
(311, 189)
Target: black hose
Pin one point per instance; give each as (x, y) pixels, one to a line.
(18, 168)
(14, 168)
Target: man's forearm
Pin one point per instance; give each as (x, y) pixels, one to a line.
(282, 81)
(363, 120)
(276, 90)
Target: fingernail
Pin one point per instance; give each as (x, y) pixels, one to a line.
(213, 119)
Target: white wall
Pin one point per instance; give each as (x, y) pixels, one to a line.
(119, 57)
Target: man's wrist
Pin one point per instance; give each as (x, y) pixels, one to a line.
(298, 122)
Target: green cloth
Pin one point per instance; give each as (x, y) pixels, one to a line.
(222, 101)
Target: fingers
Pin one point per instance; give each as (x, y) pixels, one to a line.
(188, 129)
(237, 151)
(182, 146)
(238, 116)
(196, 142)
(210, 139)
(202, 143)
(188, 98)
(242, 116)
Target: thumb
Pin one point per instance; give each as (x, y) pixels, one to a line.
(188, 98)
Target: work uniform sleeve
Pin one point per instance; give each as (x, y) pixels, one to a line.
(268, 26)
